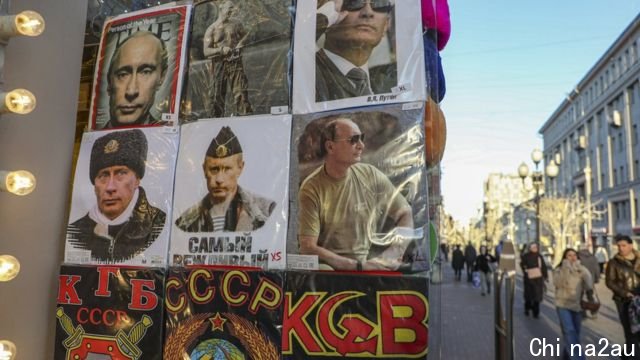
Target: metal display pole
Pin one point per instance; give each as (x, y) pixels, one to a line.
(503, 320)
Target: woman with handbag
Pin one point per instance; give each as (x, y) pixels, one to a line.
(572, 280)
(535, 275)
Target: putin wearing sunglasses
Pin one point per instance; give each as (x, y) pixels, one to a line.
(344, 202)
(352, 29)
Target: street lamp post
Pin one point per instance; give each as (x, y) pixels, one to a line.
(486, 223)
(587, 196)
(489, 211)
(537, 179)
(528, 221)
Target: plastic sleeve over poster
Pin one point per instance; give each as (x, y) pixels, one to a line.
(361, 54)
(122, 198)
(337, 315)
(109, 312)
(231, 192)
(240, 59)
(358, 189)
(138, 74)
(223, 314)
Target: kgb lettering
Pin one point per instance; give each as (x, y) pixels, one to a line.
(143, 297)
(399, 329)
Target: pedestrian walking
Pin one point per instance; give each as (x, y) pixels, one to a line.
(498, 250)
(602, 256)
(483, 266)
(622, 277)
(535, 275)
(590, 262)
(571, 279)
(444, 249)
(469, 258)
(523, 250)
(457, 262)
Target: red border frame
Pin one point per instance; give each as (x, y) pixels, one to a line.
(181, 10)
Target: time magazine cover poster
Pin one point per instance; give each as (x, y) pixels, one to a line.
(354, 53)
(231, 192)
(223, 314)
(122, 197)
(359, 190)
(240, 59)
(331, 316)
(138, 75)
(109, 312)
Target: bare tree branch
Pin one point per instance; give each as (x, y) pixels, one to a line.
(563, 219)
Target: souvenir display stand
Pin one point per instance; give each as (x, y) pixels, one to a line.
(252, 184)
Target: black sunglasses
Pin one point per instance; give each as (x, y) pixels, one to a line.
(377, 5)
(353, 139)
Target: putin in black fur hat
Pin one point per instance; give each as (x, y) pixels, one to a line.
(123, 223)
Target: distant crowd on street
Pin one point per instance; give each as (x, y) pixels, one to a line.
(573, 280)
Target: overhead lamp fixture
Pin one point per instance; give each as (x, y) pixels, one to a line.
(20, 182)
(552, 169)
(536, 156)
(9, 267)
(27, 23)
(7, 350)
(18, 101)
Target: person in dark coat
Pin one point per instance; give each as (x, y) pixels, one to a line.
(623, 279)
(470, 258)
(534, 272)
(457, 262)
(444, 249)
(590, 262)
(482, 265)
(498, 250)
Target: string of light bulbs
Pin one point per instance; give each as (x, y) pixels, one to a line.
(18, 101)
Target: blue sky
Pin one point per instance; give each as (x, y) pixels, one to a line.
(508, 66)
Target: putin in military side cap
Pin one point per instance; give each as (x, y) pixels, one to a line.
(227, 206)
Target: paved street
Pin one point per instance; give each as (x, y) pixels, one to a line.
(462, 322)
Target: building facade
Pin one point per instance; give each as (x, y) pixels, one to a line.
(593, 137)
(503, 196)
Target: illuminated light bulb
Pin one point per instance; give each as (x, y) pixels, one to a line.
(19, 101)
(29, 23)
(8, 350)
(18, 182)
(9, 267)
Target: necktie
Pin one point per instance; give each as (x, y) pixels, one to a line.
(360, 80)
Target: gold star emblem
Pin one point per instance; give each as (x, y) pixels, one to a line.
(111, 147)
(222, 151)
(217, 322)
